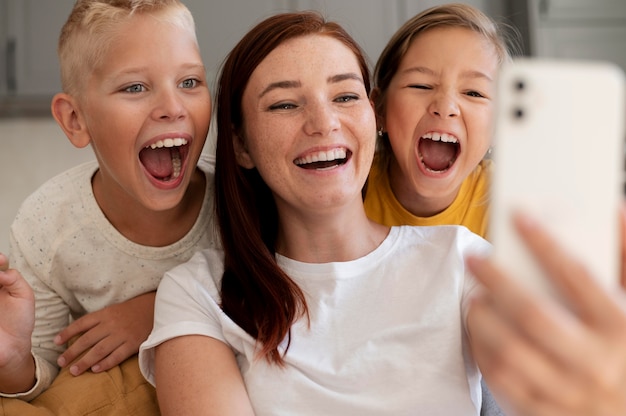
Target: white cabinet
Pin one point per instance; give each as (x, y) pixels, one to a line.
(29, 30)
(579, 29)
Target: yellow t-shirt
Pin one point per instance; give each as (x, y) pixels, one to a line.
(470, 208)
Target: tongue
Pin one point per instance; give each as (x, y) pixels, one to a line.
(158, 162)
(321, 165)
(437, 155)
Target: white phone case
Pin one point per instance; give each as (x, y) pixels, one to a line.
(559, 156)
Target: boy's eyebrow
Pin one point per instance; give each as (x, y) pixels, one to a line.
(195, 65)
(142, 69)
(472, 73)
(295, 84)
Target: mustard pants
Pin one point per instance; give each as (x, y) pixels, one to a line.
(121, 391)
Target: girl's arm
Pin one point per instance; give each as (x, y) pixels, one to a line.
(198, 375)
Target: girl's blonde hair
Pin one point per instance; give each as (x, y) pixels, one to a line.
(92, 26)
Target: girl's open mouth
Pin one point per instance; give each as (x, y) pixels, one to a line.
(438, 151)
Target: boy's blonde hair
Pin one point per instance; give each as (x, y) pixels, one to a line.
(93, 24)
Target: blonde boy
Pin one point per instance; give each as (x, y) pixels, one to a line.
(89, 247)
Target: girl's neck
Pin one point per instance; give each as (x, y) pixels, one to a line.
(416, 203)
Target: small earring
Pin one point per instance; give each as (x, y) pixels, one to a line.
(380, 132)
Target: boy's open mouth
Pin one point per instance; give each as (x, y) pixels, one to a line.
(438, 151)
(164, 159)
(324, 160)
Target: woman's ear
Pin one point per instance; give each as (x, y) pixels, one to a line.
(66, 112)
(241, 152)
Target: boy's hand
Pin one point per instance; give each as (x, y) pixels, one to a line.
(17, 312)
(17, 321)
(108, 336)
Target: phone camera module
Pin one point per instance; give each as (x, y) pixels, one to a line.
(518, 113)
(520, 85)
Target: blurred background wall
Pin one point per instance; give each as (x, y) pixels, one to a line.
(33, 148)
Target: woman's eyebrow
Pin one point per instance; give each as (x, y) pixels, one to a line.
(296, 84)
(280, 84)
(344, 77)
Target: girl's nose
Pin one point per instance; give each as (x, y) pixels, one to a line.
(444, 106)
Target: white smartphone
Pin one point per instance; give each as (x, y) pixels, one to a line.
(559, 156)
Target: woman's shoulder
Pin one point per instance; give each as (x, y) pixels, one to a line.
(442, 237)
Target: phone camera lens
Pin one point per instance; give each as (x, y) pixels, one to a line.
(519, 85)
(518, 113)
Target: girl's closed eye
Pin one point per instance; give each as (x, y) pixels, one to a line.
(476, 94)
(420, 86)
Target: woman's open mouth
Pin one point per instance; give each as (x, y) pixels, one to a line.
(324, 160)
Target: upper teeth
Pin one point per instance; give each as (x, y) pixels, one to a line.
(179, 141)
(443, 137)
(322, 156)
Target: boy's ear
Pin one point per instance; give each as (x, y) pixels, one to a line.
(241, 153)
(66, 112)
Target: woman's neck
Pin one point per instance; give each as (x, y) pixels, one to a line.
(344, 235)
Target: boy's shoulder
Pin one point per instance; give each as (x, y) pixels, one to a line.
(62, 188)
(62, 196)
(206, 163)
(72, 188)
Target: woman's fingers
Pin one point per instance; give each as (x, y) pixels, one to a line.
(592, 302)
(512, 365)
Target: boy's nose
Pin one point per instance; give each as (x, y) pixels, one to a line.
(168, 105)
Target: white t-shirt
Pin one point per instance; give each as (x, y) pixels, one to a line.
(386, 334)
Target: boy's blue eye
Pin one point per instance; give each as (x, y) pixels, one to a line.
(135, 88)
(189, 83)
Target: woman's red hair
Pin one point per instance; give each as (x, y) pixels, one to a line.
(255, 292)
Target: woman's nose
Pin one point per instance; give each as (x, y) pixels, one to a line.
(322, 118)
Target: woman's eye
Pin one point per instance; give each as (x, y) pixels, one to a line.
(189, 83)
(282, 106)
(135, 88)
(347, 98)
